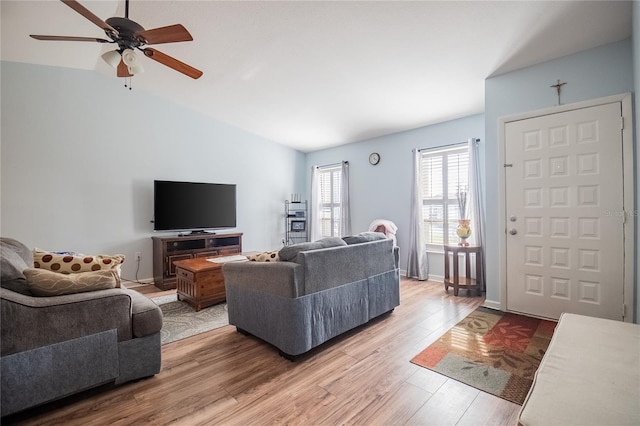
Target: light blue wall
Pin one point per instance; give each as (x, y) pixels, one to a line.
(80, 153)
(591, 74)
(384, 191)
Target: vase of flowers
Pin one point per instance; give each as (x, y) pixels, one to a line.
(463, 231)
(464, 224)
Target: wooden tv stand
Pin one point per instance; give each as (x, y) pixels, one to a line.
(167, 250)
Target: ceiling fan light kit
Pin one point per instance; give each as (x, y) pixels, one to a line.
(131, 60)
(130, 35)
(112, 58)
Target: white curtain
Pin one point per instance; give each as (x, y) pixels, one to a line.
(475, 193)
(418, 265)
(345, 209)
(314, 208)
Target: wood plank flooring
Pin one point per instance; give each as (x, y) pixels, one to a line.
(362, 378)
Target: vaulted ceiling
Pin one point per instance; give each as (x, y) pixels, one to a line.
(314, 74)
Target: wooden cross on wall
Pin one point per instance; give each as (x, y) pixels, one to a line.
(558, 87)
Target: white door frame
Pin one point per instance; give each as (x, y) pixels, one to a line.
(629, 192)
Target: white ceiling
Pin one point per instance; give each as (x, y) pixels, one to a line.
(316, 74)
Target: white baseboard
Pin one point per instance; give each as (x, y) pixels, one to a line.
(492, 304)
(436, 278)
(132, 284)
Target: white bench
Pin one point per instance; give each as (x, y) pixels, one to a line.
(590, 375)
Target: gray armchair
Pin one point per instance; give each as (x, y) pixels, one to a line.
(55, 346)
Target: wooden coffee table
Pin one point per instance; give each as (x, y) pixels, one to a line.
(200, 282)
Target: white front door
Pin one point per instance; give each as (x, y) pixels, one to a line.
(565, 213)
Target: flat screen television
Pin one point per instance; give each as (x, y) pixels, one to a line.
(194, 206)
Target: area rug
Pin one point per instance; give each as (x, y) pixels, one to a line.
(493, 351)
(181, 321)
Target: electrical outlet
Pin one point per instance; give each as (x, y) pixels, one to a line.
(138, 256)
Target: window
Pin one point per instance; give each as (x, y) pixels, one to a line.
(330, 188)
(445, 174)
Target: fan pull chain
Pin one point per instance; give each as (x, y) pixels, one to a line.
(125, 83)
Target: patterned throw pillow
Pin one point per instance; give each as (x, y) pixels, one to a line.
(72, 263)
(267, 256)
(43, 282)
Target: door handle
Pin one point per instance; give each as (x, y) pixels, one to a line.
(513, 231)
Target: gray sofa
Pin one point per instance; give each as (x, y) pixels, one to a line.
(314, 293)
(55, 346)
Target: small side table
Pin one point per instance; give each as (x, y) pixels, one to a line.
(200, 282)
(466, 282)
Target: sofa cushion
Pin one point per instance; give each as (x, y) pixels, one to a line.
(43, 282)
(589, 375)
(18, 257)
(15, 257)
(71, 263)
(18, 285)
(289, 253)
(364, 237)
(267, 256)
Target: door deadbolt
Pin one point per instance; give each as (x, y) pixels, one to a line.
(513, 218)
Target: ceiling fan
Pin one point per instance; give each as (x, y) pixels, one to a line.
(130, 35)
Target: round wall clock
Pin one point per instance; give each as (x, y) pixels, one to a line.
(374, 158)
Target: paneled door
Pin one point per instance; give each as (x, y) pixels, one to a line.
(565, 214)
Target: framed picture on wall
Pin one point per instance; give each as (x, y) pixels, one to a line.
(298, 225)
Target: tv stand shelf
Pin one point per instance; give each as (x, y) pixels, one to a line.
(167, 250)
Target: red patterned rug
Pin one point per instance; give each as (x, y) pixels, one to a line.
(493, 351)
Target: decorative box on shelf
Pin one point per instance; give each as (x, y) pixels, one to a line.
(298, 225)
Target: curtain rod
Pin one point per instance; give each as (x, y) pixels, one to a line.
(448, 145)
(325, 166)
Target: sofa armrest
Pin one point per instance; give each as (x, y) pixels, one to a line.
(146, 316)
(278, 278)
(28, 322)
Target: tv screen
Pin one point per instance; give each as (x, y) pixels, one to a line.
(193, 206)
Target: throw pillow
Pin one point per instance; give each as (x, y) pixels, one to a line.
(364, 237)
(267, 256)
(71, 263)
(289, 253)
(43, 282)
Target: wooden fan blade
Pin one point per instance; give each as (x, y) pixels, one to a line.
(68, 38)
(172, 62)
(170, 34)
(123, 70)
(73, 4)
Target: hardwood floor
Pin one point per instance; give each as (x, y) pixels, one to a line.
(363, 377)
